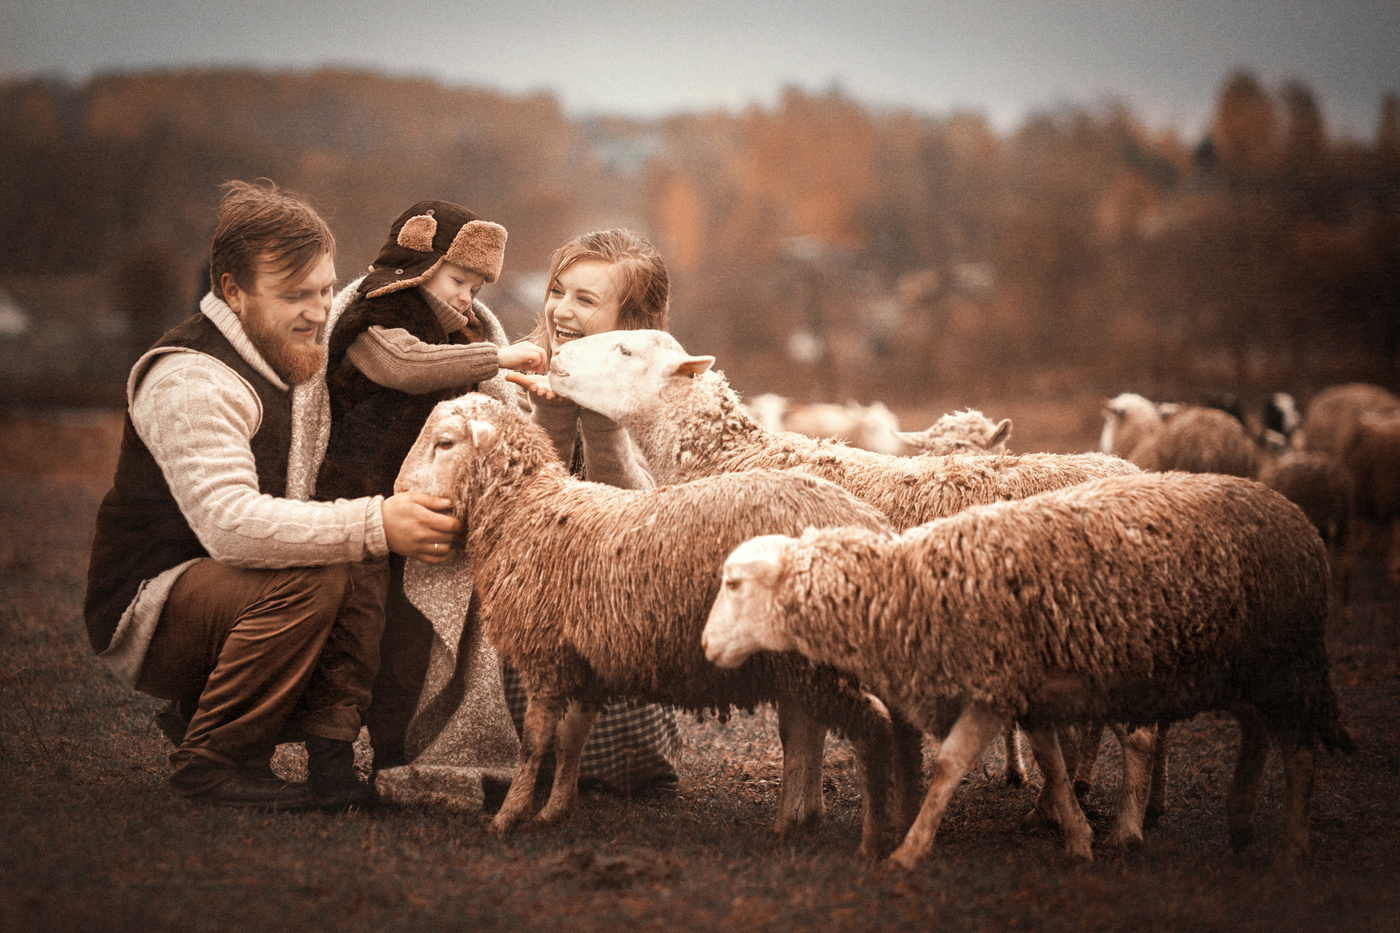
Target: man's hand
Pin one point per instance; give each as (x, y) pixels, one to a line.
(415, 525)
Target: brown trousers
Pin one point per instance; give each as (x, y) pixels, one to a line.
(265, 656)
(403, 665)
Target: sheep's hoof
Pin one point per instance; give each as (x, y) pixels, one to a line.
(1015, 778)
(1038, 821)
(1077, 855)
(503, 824)
(1153, 816)
(907, 857)
(551, 814)
(1123, 840)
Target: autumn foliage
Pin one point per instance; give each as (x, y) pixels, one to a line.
(820, 248)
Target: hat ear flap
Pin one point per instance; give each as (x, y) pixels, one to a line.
(417, 233)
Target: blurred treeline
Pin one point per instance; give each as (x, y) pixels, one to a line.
(822, 248)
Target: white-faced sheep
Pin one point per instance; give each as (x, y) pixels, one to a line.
(1177, 437)
(1139, 598)
(869, 427)
(768, 409)
(960, 432)
(688, 424)
(593, 592)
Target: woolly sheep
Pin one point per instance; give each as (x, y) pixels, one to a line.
(1177, 437)
(688, 423)
(1320, 486)
(593, 592)
(1373, 458)
(1062, 607)
(971, 432)
(768, 410)
(960, 432)
(870, 427)
(1331, 416)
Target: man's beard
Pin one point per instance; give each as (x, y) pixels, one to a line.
(294, 363)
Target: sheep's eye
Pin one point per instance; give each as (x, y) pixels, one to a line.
(731, 584)
(445, 443)
(623, 350)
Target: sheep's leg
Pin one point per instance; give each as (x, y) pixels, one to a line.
(570, 737)
(1299, 771)
(1079, 838)
(1249, 775)
(1138, 752)
(804, 740)
(1015, 760)
(1157, 796)
(971, 733)
(878, 755)
(1086, 755)
(537, 734)
(908, 773)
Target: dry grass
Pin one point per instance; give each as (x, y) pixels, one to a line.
(92, 840)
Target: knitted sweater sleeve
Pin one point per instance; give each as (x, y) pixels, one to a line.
(393, 357)
(197, 417)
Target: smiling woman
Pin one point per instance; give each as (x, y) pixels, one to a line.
(601, 281)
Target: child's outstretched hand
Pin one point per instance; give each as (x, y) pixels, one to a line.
(523, 355)
(535, 384)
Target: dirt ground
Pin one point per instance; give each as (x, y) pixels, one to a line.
(90, 838)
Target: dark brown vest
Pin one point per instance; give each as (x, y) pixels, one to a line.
(373, 427)
(140, 530)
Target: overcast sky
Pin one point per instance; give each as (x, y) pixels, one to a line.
(1166, 60)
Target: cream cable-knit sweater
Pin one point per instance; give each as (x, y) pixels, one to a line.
(197, 417)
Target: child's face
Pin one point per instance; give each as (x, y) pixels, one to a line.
(582, 301)
(456, 286)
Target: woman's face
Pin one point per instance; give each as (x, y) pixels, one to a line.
(583, 300)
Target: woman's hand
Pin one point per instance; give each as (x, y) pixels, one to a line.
(537, 385)
(523, 355)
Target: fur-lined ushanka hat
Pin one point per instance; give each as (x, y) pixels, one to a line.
(424, 236)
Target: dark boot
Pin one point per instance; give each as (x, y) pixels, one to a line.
(331, 775)
(389, 756)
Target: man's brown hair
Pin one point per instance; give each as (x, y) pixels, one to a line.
(262, 223)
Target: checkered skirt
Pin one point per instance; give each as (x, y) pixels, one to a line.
(631, 744)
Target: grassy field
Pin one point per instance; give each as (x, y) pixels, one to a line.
(90, 838)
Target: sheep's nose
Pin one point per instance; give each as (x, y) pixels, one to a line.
(555, 369)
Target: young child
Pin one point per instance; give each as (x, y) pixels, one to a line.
(601, 281)
(403, 337)
(411, 334)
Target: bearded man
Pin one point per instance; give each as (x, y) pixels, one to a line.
(214, 583)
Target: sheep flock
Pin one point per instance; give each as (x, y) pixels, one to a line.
(935, 585)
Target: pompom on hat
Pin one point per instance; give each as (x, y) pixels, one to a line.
(428, 234)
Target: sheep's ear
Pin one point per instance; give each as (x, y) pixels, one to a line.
(694, 365)
(483, 434)
(1000, 435)
(1167, 409)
